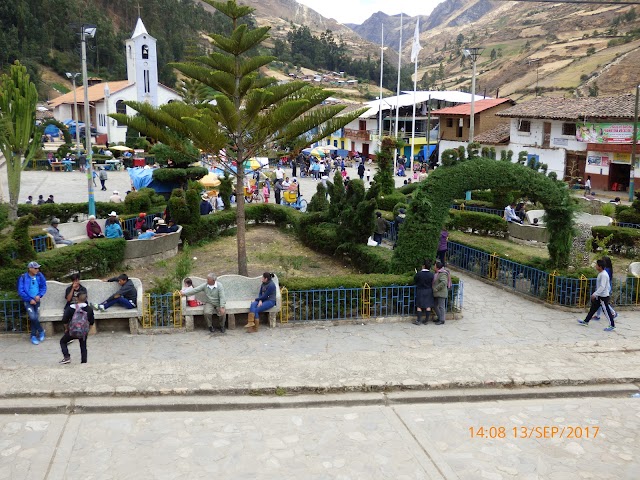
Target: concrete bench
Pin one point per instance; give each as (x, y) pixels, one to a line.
(240, 292)
(74, 231)
(52, 304)
(142, 252)
(528, 232)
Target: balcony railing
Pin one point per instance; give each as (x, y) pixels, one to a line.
(357, 134)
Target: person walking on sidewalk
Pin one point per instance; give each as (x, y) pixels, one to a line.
(608, 267)
(266, 299)
(32, 286)
(424, 293)
(102, 176)
(214, 303)
(600, 298)
(441, 286)
(126, 296)
(83, 308)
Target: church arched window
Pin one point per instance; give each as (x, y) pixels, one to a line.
(145, 52)
(121, 108)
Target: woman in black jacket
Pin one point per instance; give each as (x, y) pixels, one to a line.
(266, 300)
(424, 293)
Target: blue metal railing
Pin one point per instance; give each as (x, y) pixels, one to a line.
(40, 243)
(13, 317)
(556, 289)
(471, 208)
(130, 223)
(627, 225)
(162, 310)
(360, 303)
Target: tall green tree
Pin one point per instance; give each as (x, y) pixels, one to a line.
(250, 114)
(18, 98)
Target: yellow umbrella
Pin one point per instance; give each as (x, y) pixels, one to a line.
(210, 180)
(252, 163)
(318, 152)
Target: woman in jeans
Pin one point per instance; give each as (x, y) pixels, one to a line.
(266, 300)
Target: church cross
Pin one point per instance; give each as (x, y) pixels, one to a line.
(139, 8)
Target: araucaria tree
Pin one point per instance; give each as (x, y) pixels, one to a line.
(18, 98)
(249, 114)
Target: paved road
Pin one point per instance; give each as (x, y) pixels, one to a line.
(72, 186)
(398, 442)
(503, 339)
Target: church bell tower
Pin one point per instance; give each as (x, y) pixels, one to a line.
(142, 64)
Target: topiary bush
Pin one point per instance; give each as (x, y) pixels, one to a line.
(625, 240)
(384, 176)
(408, 189)
(66, 211)
(319, 202)
(478, 223)
(430, 205)
(389, 201)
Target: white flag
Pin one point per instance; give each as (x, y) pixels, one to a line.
(415, 48)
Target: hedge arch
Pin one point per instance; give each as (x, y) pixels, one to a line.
(432, 200)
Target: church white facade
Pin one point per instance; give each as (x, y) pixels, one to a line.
(109, 97)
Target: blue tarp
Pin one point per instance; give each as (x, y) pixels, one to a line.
(428, 153)
(143, 177)
(52, 130)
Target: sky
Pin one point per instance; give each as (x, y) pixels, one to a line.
(357, 11)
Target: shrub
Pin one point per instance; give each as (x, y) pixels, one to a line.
(624, 240)
(628, 216)
(384, 175)
(4, 215)
(608, 209)
(319, 202)
(477, 222)
(225, 190)
(408, 189)
(323, 237)
(389, 201)
(344, 281)
(365, 258)
(474, 203)
(65, 211)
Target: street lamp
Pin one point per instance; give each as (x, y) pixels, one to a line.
(87, 31)
(473, 53)
(73, 77)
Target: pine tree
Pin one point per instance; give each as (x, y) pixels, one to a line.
(250, 114)
(18, 142)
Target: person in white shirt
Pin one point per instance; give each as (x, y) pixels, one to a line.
(115, 198)
(279, 173)
(510, 214)
(600, 298)
(286, 183)
(587, 185)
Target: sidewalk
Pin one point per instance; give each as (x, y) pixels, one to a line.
(503, 340)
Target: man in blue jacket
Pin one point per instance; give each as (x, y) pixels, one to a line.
(31, 287)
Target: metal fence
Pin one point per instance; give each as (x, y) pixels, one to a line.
(357, 303)
(162, 310)
(13, 318)
(551, 287)
(41, 243)
(626, 225)
(130, 223)
(470, 208)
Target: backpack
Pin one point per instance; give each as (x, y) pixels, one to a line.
(79, 324)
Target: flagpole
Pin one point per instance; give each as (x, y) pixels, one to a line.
(395, 157)
(380, 98)
(415, 51)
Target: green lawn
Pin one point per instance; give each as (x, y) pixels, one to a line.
(505, 248)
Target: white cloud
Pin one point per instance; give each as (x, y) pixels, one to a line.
(357, 11)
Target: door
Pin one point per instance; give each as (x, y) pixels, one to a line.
(619, 177)
(365, 150)
(546, 139)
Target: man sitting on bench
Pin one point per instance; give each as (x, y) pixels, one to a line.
(125, 297)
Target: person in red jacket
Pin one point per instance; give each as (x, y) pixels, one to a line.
(93, 228)
(141, 222)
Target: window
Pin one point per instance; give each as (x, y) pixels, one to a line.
(102, 119)
(569, 129)
(459, 135)
(121, 108)
(147, 87)
(335, 143)
(524, 126)
(145, 52)
(449, 122)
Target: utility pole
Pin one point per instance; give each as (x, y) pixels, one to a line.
(634, 145)
(473, 53)
(87, 31)
(73, 77)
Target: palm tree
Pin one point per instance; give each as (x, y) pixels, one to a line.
(250, 114)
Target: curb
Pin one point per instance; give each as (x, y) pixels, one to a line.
(219, 403)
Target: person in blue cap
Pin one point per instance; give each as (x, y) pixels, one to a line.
(31, 287)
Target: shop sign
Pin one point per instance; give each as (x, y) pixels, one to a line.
(604, 132)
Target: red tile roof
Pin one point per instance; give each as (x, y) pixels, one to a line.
(96, 93)
(465, 108)
(620, 107)
(496, 136)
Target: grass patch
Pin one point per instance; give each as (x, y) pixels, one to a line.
(60, 87)
(506, 249)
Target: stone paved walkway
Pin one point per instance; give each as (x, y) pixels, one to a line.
(503, 339)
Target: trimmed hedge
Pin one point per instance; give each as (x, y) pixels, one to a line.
(65, 211)
(367, 259)
(625, 240)
(473, 203)
(628, 215)
(408, 189)
(478, 222)
(390, 200)
(349, 281)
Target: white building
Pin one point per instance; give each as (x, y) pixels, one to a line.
(109, 97)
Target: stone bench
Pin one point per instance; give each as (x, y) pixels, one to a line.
(52, 304)
(143, 252)
(240, 292)
(528, 232)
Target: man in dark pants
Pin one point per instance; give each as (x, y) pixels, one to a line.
(31, 287)
(126, 297)
(66, 338)
(600, 298)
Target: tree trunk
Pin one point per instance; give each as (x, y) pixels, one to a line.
(241, 225)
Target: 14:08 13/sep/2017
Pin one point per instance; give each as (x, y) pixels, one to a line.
(534, 431)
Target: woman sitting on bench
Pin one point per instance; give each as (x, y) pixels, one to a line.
(265, 301)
